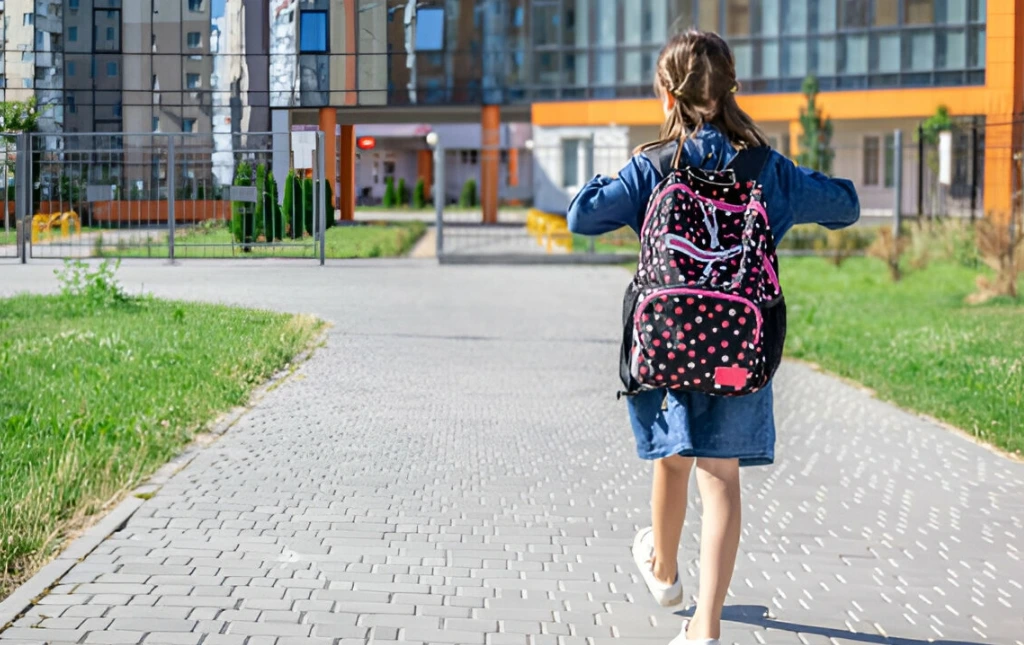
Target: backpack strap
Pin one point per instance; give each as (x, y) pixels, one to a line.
(750, 162)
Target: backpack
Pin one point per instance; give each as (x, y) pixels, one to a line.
(705, 312)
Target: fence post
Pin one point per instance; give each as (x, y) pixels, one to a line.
(23, 193)
(439, 195)
(897, 182)
(320, 193)
(171, 197)
(920, 171)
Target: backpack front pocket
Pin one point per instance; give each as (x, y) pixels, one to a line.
(698, 340)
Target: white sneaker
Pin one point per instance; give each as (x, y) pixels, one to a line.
(643, 556)
(681, 639)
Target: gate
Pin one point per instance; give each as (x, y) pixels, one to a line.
(529, 225)
(11, 247)
(171, 196)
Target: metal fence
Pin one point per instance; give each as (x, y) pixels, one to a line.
(165, 196)
(896, 173)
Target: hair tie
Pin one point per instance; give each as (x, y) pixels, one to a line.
(735, 88)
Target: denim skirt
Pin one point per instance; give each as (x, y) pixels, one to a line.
(667, 423)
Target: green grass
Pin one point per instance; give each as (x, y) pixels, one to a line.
(915, 343)
(94, 399)
(343, 242)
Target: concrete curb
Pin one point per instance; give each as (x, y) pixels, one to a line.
(25, 596)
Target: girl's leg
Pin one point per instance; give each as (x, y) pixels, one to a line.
(719, 484)
(668, 510)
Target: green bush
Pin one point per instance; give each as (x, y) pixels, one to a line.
(329, 204)
(273, 224)
(243, 213)
(468, 197)
(293, 205)
(307, 205)
(260, 226)
(390, 198)
(419, 195)
(403, 193)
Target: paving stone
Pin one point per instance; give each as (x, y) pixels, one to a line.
(487, 490)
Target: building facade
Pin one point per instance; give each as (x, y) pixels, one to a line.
(571, 77)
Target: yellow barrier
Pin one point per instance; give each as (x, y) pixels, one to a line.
(550, 231)
(44, 225)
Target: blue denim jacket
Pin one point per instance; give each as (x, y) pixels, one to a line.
(695, 424)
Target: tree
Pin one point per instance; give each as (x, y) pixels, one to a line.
(293, 205)
(242, 213)
(816, 141)
(328, 205)
(419, 195)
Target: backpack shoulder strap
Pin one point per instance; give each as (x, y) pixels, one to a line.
(665, 158)
(750, 162)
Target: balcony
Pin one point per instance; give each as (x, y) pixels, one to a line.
(49, 24)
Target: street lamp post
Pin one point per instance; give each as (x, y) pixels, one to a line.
(434, 141)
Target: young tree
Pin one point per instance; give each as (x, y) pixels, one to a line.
(419, 195)
(390, 198)
(816, 141)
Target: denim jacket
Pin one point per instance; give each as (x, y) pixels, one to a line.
(741, 427)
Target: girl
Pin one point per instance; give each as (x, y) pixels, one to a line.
(696, 81)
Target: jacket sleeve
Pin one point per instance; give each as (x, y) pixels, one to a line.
(814, 198)
(607, 204)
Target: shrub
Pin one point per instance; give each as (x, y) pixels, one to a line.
(328, 204)
(1001, 247)
(293, 205)
(468, 197)
(403, 193)
(307, 205)
(273, 224)
(260, 225)
(390, 198)
(242, 213)
(83, 289)
(419, 195)
(889, 248)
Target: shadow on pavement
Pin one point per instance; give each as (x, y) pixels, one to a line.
(758, 615)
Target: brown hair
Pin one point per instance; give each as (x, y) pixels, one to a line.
(698, 70)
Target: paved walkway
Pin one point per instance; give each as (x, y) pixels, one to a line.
(453, 467)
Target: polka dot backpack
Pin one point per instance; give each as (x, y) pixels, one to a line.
(705, 312)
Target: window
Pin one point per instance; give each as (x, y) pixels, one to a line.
(72, 108)
(156, 124)
(918, 12)
(72, 68)
(192, 81)
(871, 161)
(890, 160)
(313, 32)
(155, 85)
(708, 15)
(28, 57)
(195, 5)
(73, 5)
(575, 173)
(110, 33)
(112, 69)
(389, 168)
(194, 40)
(26, 83)
(795, 20)
(738, 18)
(188, 125)
(430, 30)
(117, 109)
(28, 20)
(855, 13)
(73, 34)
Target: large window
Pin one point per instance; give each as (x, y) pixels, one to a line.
(430, 30)
(194, 40)
(313, 32)
(575, 162)
(871, 160)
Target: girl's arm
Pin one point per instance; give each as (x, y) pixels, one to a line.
(607, 204)
(814, 198)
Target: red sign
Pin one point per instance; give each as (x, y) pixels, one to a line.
(366, 143)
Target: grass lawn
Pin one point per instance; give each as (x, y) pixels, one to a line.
(343, 242)
(94, 399)
(915, 343)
